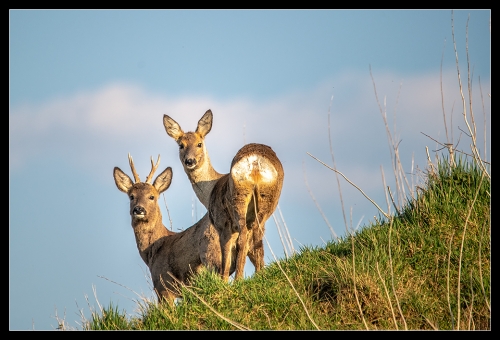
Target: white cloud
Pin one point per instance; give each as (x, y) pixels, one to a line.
(96, 129)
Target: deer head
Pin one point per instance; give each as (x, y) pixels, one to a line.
(144, 207)
(192, 152)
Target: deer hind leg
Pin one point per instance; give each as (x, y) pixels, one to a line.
(258, 247)
(259, 218)
(242, 252)
(227, 243)
(254, 254)
(241, 202)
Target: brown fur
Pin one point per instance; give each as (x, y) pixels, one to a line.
(166, 252)
(254, 183)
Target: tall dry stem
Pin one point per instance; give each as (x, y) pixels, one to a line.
(399, 174)
(442, 95)
(281, 236)
(486, 298)
(288, 238)
(472, 301)
(391, 219)
(168, 212)
(462, 248)
(484, 117)
(317, 204)
(472, 130)
(354, 279)
(448, 284)
(354, 185)
(392, 275)
(334, 165)
(388, 298)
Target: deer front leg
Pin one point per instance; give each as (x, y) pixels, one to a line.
(164, 289)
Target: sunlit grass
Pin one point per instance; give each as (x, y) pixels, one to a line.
(425, 252)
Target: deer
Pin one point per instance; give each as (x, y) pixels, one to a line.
(238, 203)
(171, 257)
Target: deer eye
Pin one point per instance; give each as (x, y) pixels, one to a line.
(151, 197)
(131, 197)
(199, 145)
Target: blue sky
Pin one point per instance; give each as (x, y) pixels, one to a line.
(86, 87)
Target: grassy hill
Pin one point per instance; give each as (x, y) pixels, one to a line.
(425, 267)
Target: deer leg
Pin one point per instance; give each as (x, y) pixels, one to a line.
(257, 233)
(227, 242)
(242, 252)
(164, 289)
(258, 252)
(252, 255)
(241, 205)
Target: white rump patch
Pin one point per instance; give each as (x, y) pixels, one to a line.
(256, 164)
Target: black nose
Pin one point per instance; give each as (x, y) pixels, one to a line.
(190, 162)
(139, 210)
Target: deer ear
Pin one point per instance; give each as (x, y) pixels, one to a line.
(122, 181)
(173, 129)
(205, 124)
(162, 182)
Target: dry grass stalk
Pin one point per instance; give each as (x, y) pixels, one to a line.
(354, 279)
(453, 150)
(288, 238)
(448, 284)
(471, 303)
(462, 247)
(281, 236)
(335, 166)
(392, 276)
(399, 175)
(472, 130)
(486, 298)
(354, 185)
(431, 324)
(388, 298)
(168, 213)
(389, 244)
(144, 299)
(317, 204)
(442, 95)
(484, 117)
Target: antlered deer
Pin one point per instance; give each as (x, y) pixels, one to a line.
(166, 252)
(238, 203)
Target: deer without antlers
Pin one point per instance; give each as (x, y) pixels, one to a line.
(238, 203)
(166, 253)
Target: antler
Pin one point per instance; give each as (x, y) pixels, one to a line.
(131, 162)
(153, 168)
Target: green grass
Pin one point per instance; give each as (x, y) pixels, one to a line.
(426, 267)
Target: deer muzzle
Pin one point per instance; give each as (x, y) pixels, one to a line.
(190, 163)
(139, 212)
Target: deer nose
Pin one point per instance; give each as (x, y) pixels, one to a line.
(138, 210)
(190, 162)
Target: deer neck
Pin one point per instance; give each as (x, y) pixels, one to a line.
(149, 236)
(203, 180)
